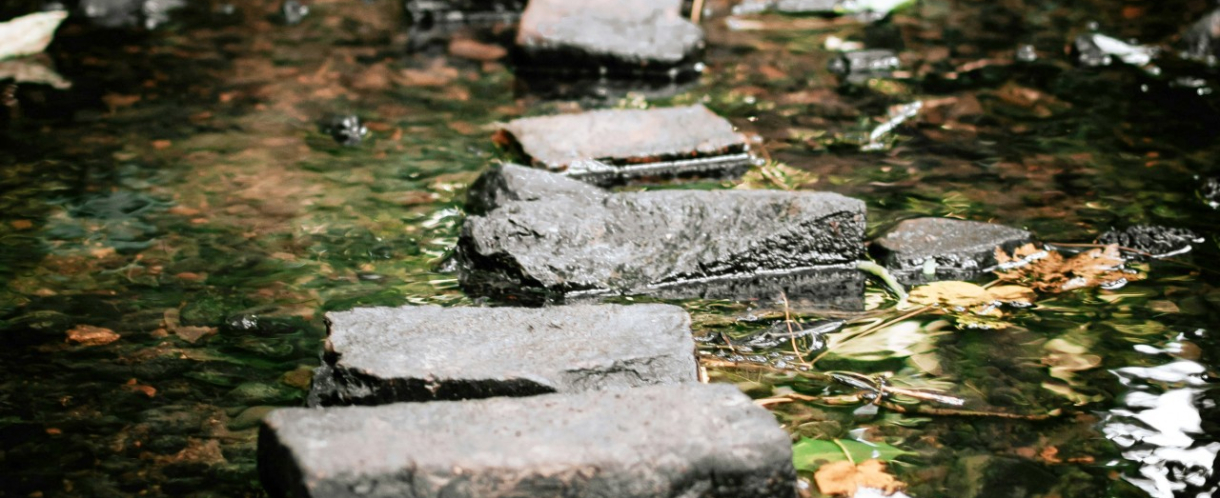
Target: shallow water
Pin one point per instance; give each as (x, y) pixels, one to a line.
(182, 196)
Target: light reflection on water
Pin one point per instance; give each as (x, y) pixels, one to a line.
(1158, 425)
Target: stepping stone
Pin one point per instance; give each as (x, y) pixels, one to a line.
(926, 249)
(578, 243)
(611, 146)
(1154, 240)
(424, 353)
(624, 37)
(658, 441)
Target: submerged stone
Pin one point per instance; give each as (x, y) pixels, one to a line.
(669, 243)
(1152, 240)
(424, 353)
(658, 441)
(346, 130)
(627, 37)
(1098, 50)
(924, 249)
(611, 146)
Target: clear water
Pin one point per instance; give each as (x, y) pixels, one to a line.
(181, 195)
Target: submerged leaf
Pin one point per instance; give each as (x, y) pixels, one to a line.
(1049, 271)
(843, 478)
(810, 454)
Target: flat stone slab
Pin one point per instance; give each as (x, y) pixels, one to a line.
(631, 37)
(659, 441)
(925, 249)
(576, 244)
(424, 353)
(609, 146)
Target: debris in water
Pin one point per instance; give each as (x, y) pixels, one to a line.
(878, 138)
(292, 12)
(1211, 192)
(864, 10)
(88, 335)
(29, 34)
(1154, 241)
(861, 65)
(32, 70)
(348, 130)
(1026, 53)
(1049, 271)
(1098, 50)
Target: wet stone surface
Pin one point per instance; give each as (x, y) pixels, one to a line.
(463, 11)
(943, 248)
(715, 244)
(630, 143)
(1202, 39)
(656, 441)
(505, 183)
(423, 353)
(629, 38)
(1152, 241)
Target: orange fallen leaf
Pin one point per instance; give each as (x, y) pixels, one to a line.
(135, 386)
(470, 49)
(1049, 271)
(21, 224)
(843, 478)
(88, 335)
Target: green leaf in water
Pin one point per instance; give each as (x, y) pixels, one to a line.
(809, 454)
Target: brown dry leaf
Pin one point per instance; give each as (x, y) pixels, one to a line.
(193, 334)
(135, 386)
(470, 49)
(88, 335)
(842, 478)
(1048, 271)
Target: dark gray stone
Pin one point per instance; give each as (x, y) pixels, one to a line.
(953, 249)
(504, 183)
(610, 146)
(669, 243)
(629, 37)
(1154, 241)
(689, 440)
(424, 353)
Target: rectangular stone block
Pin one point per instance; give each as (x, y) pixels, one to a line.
(621, 37)
(545, 238)
(925, 249)
(612, 146)
(688, 440)
(424, 353)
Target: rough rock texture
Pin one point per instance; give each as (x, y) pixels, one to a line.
(504, 183)
(611, 145)
(951, 249)
(635, 37)
(690, 440)
(1155, 241)
(423, 353)
(669, 243)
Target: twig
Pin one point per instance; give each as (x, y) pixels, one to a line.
(696, 11)
(954, 412)
(792, 335)
(880, 272)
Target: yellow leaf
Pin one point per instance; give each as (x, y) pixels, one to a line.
(950, 293)
(842, 478)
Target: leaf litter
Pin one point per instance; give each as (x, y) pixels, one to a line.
(1047, 270)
